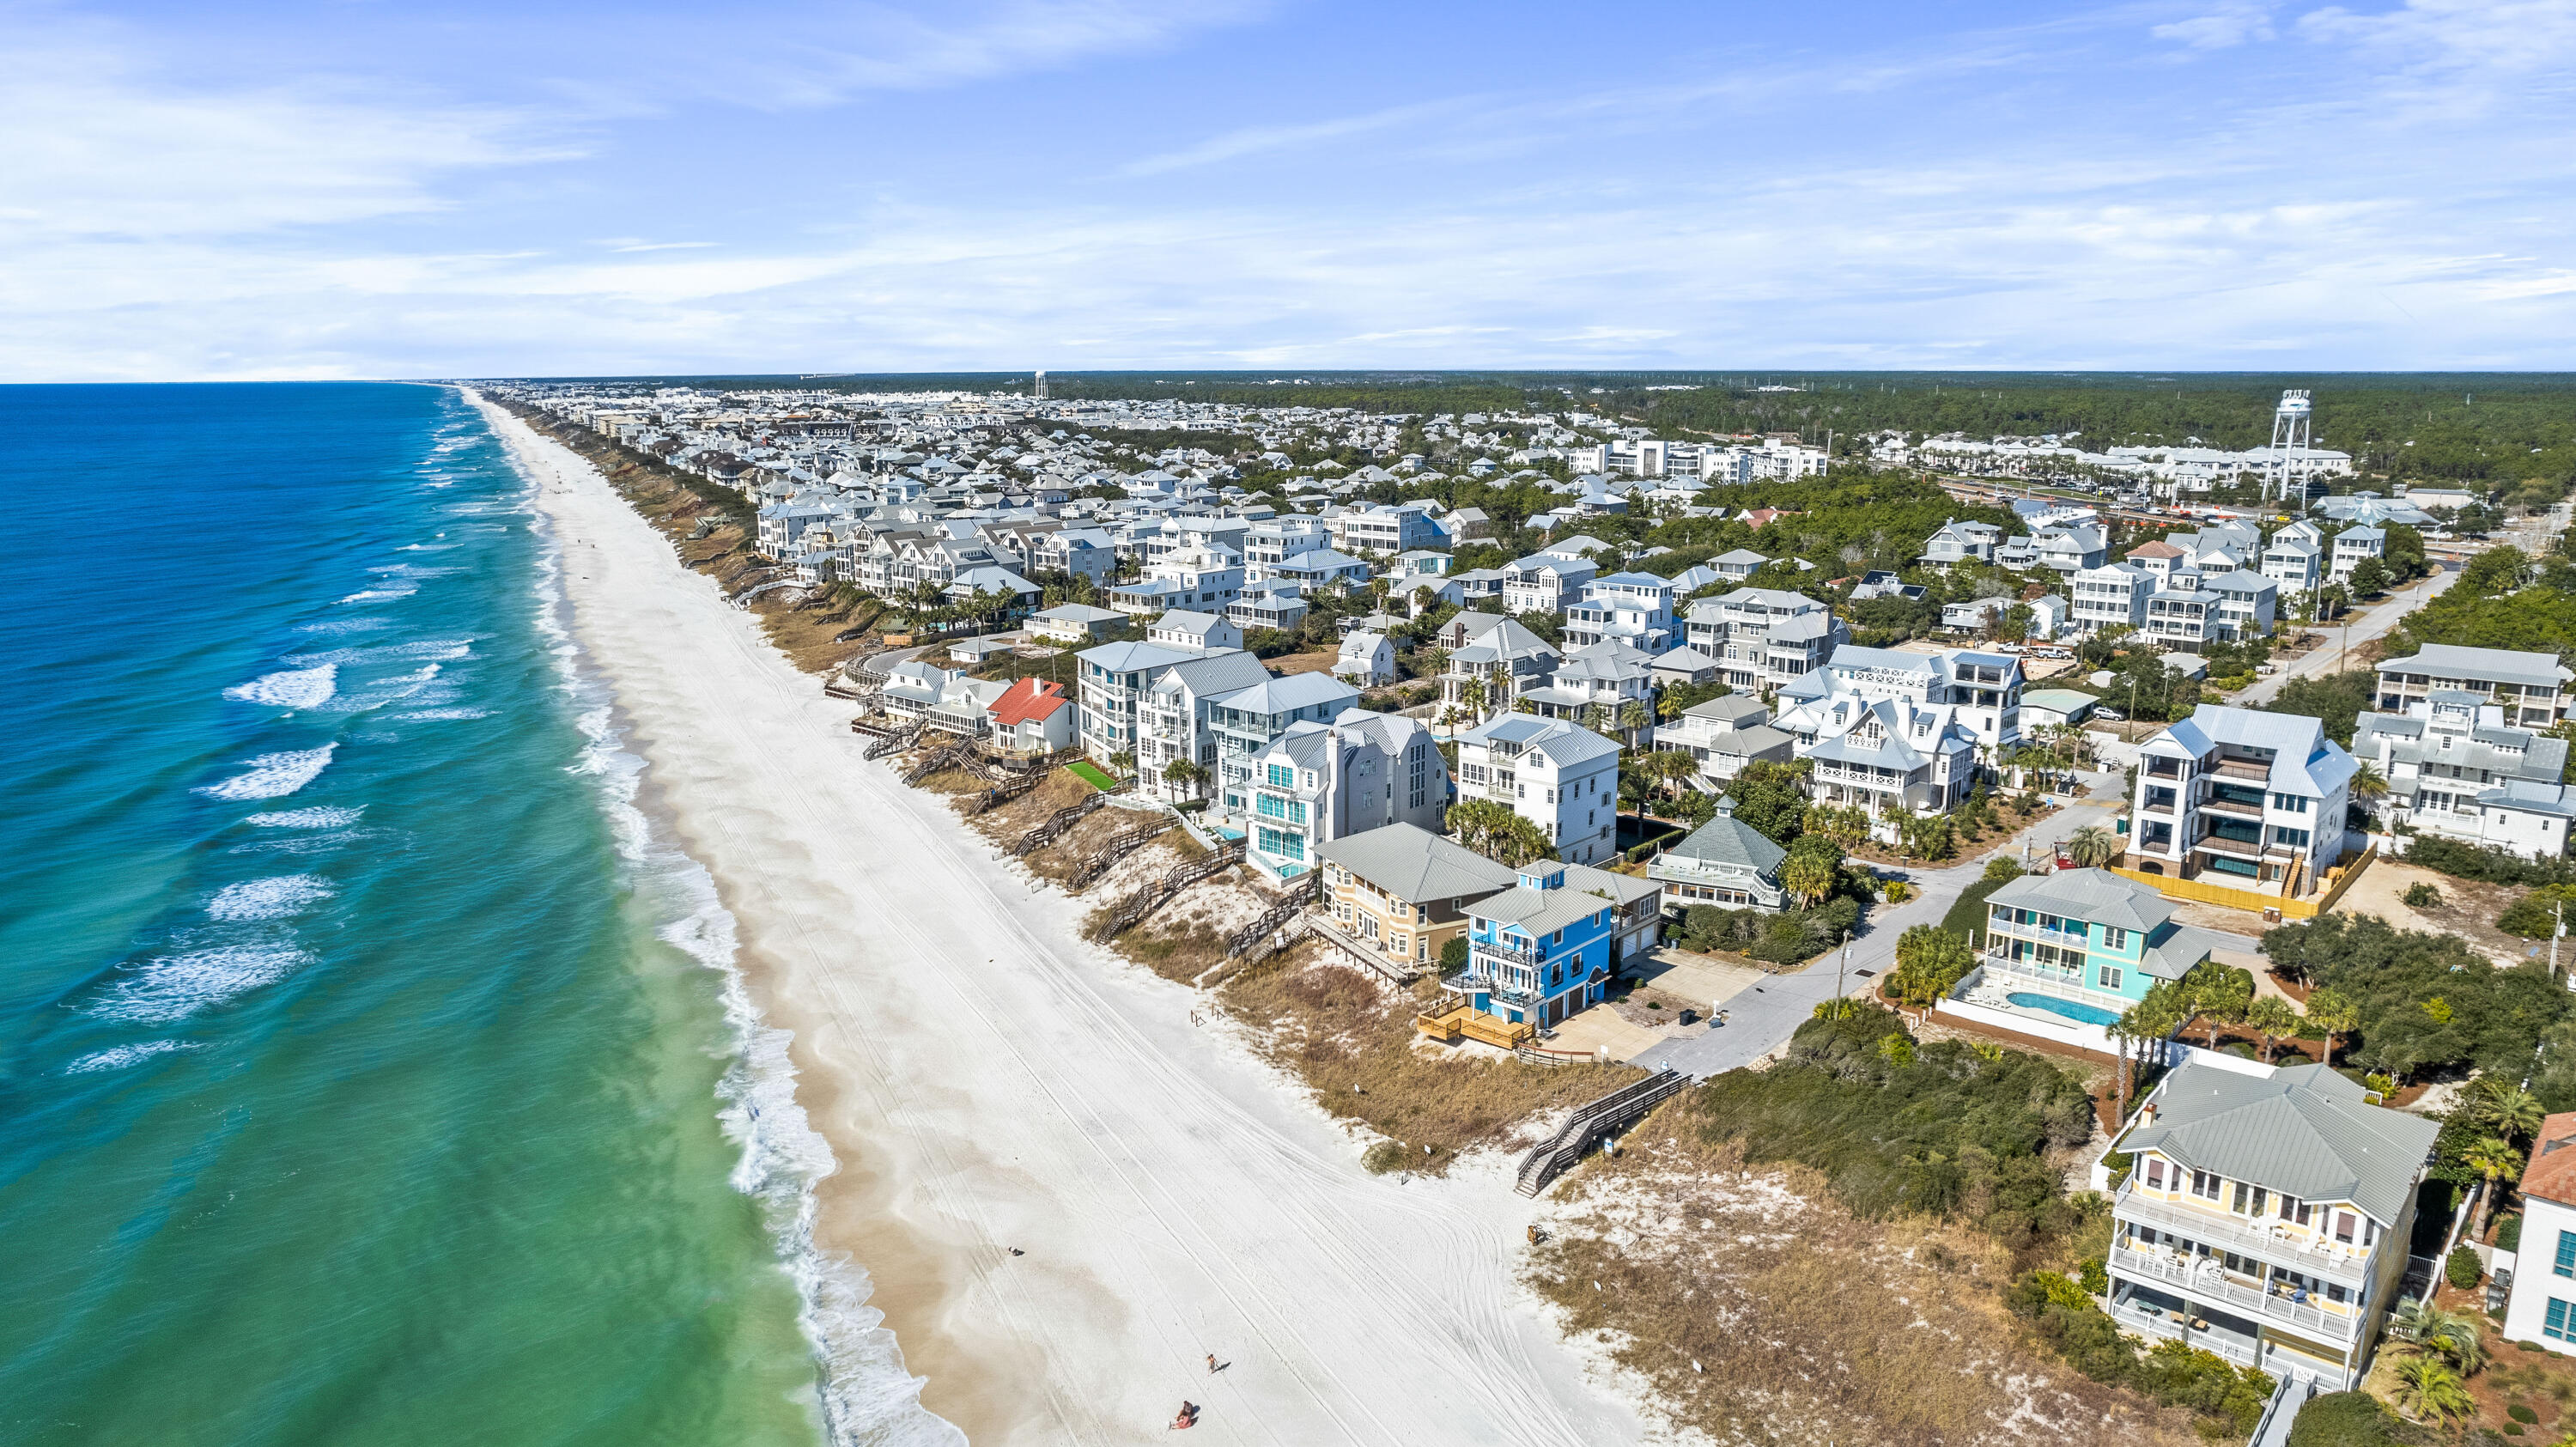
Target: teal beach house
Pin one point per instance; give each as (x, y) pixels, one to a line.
(2063, 955)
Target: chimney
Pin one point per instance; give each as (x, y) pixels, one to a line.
(2147, 1116)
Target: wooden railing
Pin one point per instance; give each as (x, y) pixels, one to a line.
(1469, 1023)
(1118, 846)
(1269, 934)
(1154, 896)
(1058, 822)
(903, 737)
(1589, 1124)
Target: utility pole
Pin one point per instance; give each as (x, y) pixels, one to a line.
(2555, 936)
(1845, 962)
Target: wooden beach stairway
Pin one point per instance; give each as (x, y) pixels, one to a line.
(1159, 893)
(1583, 1129)
(1118, 846)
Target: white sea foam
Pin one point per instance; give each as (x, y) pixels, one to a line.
(117, 1057)
(274, 776)
(289, 688)
(319, 816)
(867, 1394)
(441, 715)
(345, 625)
(276, 898)
(174, 987)
(376, 595)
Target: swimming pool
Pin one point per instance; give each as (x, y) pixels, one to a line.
(2074, 1010)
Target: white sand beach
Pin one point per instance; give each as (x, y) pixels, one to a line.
(988, 1081)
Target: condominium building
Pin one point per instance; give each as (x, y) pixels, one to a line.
(1558, 775)
(2255, 799)
(1379, 529)
(1319, 782)
(2266, 1218)
(2454, 768)
(1763, 638)
(2530, 688)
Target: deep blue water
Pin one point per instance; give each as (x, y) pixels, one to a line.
(357, 1086)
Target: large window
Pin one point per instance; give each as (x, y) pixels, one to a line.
(2560, 1322)
(2565, 1265)
(2204, 1184)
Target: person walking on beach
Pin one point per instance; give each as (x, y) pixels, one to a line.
(1211, 1364)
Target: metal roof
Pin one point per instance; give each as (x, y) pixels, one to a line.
(1410, 863)
(2490, 665)
(2304, 1131)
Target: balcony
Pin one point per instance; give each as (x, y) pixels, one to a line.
(2232, 809)
(2146, 1320)
(2327, 1261)
(1531, 958)
(2244, 769)
(2204, 1279)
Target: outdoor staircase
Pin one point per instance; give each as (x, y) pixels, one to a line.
(902, 738)
(957, 755)
(1002, 793)
(1118, 846)
(1056, 823)
(1271, 933)
(1583, 1129)
(1159, 893)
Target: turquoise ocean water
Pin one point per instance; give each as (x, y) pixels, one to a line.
(369, 1072)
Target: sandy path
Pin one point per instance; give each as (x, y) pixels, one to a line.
(987, 1082)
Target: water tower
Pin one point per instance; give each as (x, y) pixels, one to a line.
(2291, 462)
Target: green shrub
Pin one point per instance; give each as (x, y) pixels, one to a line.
(1931, 1127)
(2490, 866)
(2508, 1235)
(2422, 896)
(2522, 1414)
(1385, 1156)
(1453, 956)
(2535, 915)
(2292, 1057)
(2096, 1277)
(2349, 1419)
(2174, 1373)
(2490, 1018)
(2462, 1267)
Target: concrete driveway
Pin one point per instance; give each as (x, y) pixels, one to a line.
(1762, 1016)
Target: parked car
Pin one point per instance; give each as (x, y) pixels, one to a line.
(2110, 715)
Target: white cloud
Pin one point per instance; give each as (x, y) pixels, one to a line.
(2509, 36)
(2219, 31)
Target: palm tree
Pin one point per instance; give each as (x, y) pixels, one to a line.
(1633, 715)
(2493, 1158)
(2428, 1389)
(2495, 1102)
(2332, 1013)
(2271, 1018)
(1806, 879)
(2368, 784)
(2093, 846)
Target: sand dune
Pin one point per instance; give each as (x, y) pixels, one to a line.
(988, 1081)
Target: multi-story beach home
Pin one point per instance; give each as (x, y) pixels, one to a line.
(1558, 775)
(1194, 631)
(2256, 799)
(1076, 623)
(1959, 542)
(1501, 660)
(1403, 891)
(2353, 546)
(2195, 610)
(2266, 1217)
(1246, 722)
(1319, 782)
(1275, 541)
(2542, 1304)
(1542, 950)
(2531, 688)
(1599, 686)
(1764, 637)
(2079, 946)
(1724, 735)
(1034, 716)
(1117, 680)
(1545, 582)
(2114, 596)
(1274, 604)
(2454, 768)
(2294, 559)
(1631, 608)
(1725, 863)
(1984, 688)
(1380, 529)
(1174, 721)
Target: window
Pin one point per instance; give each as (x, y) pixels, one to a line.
(2295, 838)
(2290, 803)
(2108, 976)
(2114, 937)
(2566, 1263)
(2561, 1322)
(2204, 1185)
(1281, 776)
(2249, 1199)
(2155, 1173)
(2343, 1227)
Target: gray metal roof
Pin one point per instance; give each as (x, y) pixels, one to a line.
(2488, 665)
(1728, 840)
(1543, 911)
(1413, 864)
(2094, 895)
(2305, 1131)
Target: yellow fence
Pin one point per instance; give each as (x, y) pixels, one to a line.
(2338, 879)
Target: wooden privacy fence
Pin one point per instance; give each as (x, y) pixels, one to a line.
(2338, 879)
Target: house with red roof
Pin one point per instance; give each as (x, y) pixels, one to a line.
(1033, 716)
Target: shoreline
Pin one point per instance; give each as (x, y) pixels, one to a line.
(987, 1081)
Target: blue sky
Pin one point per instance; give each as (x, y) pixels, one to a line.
(363, 188)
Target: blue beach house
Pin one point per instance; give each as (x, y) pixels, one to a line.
(2077, 947)
(1540, 951)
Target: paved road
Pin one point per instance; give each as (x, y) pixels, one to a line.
(1765, 1015)
(2348, 632)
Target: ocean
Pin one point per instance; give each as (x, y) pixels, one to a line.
(370, 1072)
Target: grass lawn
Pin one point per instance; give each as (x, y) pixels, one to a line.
(1083, 770)
(1970, 912)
